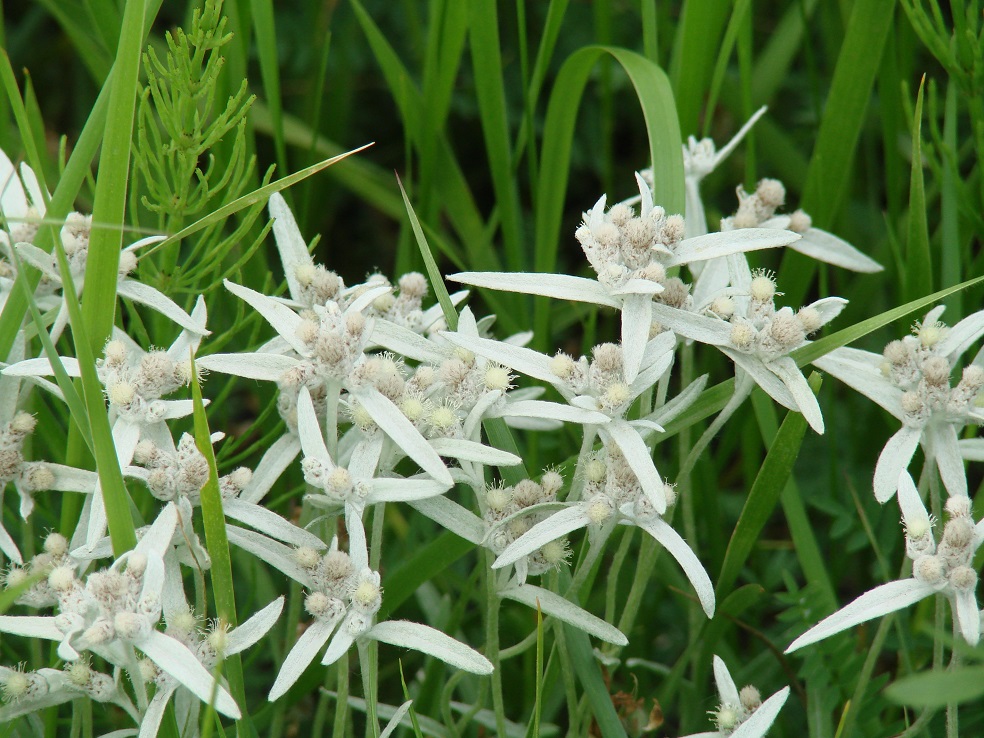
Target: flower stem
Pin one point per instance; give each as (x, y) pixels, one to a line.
(492, 642)
(341, 697)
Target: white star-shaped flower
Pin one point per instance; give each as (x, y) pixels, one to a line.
(741, 714)
(117, 610)
(345, 594)
(749, 329)
(911, 380)
(631, 255)
(945, 568)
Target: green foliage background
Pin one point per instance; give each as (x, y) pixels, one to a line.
(469, 102)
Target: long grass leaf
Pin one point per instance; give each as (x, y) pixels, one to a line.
(652, 89)
(829, 176)
(486, 57)
(918, 276)
(763, 496)
(433, 272)
(213, 520)
(105, 244)
(257, 196)
(697, 40)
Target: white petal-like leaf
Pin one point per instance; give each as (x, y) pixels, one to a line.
(553, 604)
(394, 721)
(558, 286)
(174, 657)
(284, 320)
(879, 601)
(396, 425)
(270, 523)
(727, 690)
(275, 460)
(260, 365)
(893, 460)
(465, 450)
(553, 411)
(246, 634)
(276, 554)
(557, 525)
(156, 300)
(32, 626)
(301, 655)
(723, 243)
(765, 714)
(453, 517)
(826, 247)
(639, 459)
(678, 548)
(787, 371)
(433, 642)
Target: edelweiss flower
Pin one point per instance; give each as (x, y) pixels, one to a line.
(329, 345)
(631, 255)
(356, 487)
(945, 568)
(116, 610)
(28, 692)
(507, 514)
(741, 714)
(614, 493)
(600, 386)
(911, 380)
(219, 643)
(758, 338)
(345, 595)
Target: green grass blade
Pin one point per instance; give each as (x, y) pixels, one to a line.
(588, 672)
(213, 520)
(533, 730)
(828, 179)
(483, 37)
(843, 337)
(918, 276)
(721, 66)
(763, 496)
(808, 552)
(115, 496)
(433, 272)
(75, 405)
(659, 111)
(256, 197)
(697, 41)
(265, 31)
(102, 264)
(951, 254)
(650, 37)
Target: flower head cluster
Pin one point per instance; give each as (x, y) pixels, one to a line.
(28, 476)
(912, 379)
(745, 325)
(622, 246)
(741, 713)
(511, 511)
(344, 595)
(53, 555)
(945, 567)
